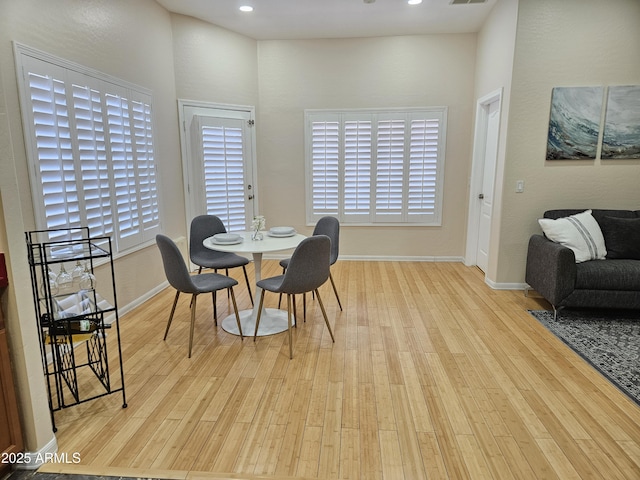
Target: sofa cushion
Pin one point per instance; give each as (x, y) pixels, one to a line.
(597, 213)
(621, 237)
(608, 275)
(581, 233)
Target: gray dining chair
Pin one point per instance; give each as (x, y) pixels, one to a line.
(308, 269)
(179, 278)
(329, 226)
(204, 226)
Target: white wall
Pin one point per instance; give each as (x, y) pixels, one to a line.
(494, 67)
(213, 64)
(282, 78)
(364, 73)
(563, 43)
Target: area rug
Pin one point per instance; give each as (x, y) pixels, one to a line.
(608, 340)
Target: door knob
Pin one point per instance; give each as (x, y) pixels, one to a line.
(481, 196)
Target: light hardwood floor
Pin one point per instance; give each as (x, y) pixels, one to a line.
(432, 375)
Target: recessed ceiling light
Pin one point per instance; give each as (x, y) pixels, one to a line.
(414, 2)
(246, 8)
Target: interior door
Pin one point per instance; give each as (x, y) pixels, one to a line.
(488, 184)
(219, 161)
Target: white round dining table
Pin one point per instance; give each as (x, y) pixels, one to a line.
(272, 320)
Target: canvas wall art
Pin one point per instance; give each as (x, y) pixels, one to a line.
(621, 136)
(574, 123)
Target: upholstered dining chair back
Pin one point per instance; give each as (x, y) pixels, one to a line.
(204, 226)
(309, 266)
(175, 267)
(330, 226)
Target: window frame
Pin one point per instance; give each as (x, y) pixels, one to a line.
(374, 217)
(140, 150)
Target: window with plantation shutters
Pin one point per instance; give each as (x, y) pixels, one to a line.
(90, 145)
(375, 167)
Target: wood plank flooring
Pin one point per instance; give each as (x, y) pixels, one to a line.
(432, 375)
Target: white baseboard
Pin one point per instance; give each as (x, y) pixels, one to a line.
(505, 286)
(34, 460)
(375, 258)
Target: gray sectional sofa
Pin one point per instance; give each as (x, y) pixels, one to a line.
(612, 282)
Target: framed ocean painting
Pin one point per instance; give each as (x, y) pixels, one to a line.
(574, 123)
(621, 135)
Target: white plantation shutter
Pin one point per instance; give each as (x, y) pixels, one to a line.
(325, 167)
(423, 168)
(52, 142)
(123, 167)
(224, 175)
(92, 154)
(357, 168)
(375, 167)
(146, 170)
(390, 171)
(90, 143)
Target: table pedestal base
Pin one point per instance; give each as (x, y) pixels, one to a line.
(272, 321)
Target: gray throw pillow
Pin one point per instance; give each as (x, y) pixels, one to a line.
(621, 236)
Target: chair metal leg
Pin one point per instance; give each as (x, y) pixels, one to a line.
(335, 290)
(215, 310)
(280, 296)
(295, 310)
(215, 306)
(235, 309)
(173, 309)
(246, 278)
(255, 334)
(304, 307)
(324, 314)
(289, 321)
(193, 321)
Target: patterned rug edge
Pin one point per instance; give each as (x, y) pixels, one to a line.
(545, 317)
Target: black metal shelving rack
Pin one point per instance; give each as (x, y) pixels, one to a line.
(59, 308)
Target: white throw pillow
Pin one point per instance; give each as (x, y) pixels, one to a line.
(581, 233)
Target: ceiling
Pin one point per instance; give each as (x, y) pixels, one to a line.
(298, 19)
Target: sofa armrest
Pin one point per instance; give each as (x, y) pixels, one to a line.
(551, 269)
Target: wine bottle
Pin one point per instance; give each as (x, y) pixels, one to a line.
(79, 326)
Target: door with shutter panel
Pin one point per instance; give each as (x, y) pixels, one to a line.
(219, 161)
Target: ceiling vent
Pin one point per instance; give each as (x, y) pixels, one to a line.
(466, 2)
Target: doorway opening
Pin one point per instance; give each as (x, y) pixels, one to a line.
(483, 176)
(219, 161)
